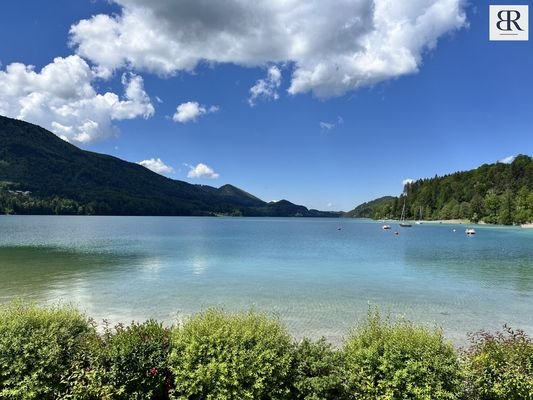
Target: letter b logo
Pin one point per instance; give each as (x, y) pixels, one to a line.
(508, 22)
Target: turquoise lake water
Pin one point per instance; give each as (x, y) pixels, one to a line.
(318, 279)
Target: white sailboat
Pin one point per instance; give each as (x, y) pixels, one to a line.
(403, 222)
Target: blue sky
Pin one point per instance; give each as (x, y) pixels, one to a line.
(340, 115)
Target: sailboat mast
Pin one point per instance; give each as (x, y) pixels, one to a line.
(403, 223)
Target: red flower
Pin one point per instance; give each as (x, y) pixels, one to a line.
(153, 371)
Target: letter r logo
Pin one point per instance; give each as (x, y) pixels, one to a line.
(508, 17)
(508, 22)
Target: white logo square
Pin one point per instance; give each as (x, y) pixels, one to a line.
(508, 22)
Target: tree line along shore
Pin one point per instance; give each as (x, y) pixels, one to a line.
(493, 193)
(57, 353)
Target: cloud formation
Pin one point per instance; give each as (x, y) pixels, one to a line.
(334, 46)
(266, 89)
(61, 97)
(191, 110)
(328, 126)
(157, 165)
(201, 171)
(507, 160)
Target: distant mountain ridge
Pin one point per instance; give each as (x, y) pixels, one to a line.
(42, 174)
(367, 210)
(493, 193)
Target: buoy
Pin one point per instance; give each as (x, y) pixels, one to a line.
(396, 233)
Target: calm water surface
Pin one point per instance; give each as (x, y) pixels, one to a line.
(320, 280)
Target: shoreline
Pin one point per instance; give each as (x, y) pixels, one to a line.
(450, 222)
(434, 222)
(529, 225)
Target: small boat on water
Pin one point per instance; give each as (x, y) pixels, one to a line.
(386, 227)
(403, 222)
(470, 231)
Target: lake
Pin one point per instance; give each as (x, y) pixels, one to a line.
(319, 279)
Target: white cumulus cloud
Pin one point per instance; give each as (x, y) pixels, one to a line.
(333, 46)
(266, 89)
(191, 110)
(507, 160)
(201, 171)
(157, 165)
(407, 181)
(61, 97)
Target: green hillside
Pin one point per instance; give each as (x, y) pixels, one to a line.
(367, 210)
(496, 193)
(42, 174)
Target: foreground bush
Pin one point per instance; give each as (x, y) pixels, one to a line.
(127, 362)
(221, 356)
(55, 353)
(38, 348)
(318, 372)
(500, 366)
(387, 360)
(132, 363)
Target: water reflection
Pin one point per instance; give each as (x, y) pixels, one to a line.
(31, 271)
(199, 264)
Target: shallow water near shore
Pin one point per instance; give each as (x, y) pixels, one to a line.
(319, 279)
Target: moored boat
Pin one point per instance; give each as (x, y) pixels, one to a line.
(403, 222)
(470, 231)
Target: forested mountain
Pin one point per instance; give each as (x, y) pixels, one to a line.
(42, 174)
(496, 193)
(368, 209)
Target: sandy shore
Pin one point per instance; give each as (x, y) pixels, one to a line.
(449, 221)
(467, 222)
(453, 222)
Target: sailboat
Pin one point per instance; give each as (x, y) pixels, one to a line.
(403, 222)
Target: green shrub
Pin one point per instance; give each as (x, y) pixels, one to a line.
(318, 372)
(386, 360)
(500, 366)
(127, 362)
(222, 356)
(55, 353)
(37, 349)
